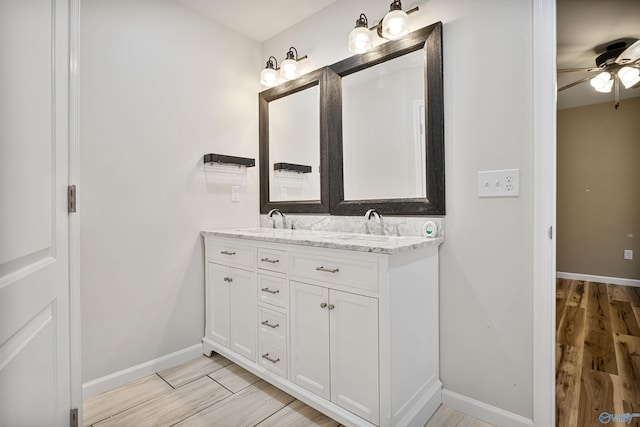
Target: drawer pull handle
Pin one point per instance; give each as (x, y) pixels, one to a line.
(323, 305)
(266, 323)
(272, 261)
(227, 253)
(270, 291)
(328, 270)
(270, 359)
(228, 279)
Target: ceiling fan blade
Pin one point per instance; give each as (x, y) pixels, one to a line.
(630, 54)
(574, 83)
(585, 69)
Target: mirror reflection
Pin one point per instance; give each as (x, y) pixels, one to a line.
(294, 146)
(383, 123)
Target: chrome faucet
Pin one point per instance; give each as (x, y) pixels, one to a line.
(367, 217)
(284, 219)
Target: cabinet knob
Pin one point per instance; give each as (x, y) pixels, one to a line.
(323, 305)
(331, 306)
(228, 279)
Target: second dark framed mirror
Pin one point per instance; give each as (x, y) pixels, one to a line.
(390, 153)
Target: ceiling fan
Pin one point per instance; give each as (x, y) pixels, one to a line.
(620, 63)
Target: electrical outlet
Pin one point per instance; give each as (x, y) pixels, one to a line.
(500, 183)
(628, 254)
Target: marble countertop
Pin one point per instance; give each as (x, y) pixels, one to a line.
(330, 239)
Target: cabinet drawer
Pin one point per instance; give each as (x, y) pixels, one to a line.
(273, 290)
(231, 254)
(272, 327)
(348, 272)
(272, 260)
(273, 358)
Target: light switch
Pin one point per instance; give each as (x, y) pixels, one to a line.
(499, 183)
(235, 193)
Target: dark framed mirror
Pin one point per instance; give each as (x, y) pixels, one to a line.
(390, 151)
(296, 127)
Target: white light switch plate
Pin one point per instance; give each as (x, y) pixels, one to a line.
(502, 183)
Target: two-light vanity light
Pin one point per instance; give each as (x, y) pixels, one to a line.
(628, 76)
(393, 26)
(269, 76)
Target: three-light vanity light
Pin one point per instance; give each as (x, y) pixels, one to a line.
(288, 69)
(393, 26)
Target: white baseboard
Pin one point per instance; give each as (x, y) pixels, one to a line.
(598, 279)
(133, 373)
(482, 411)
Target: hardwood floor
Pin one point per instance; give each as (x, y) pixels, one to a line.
(212, 391)
(597, 352)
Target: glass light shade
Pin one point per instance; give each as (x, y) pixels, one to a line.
(629, 76)
(289, 69)
(601, 80)
(360, 40)
(268, 77)
(395, 25)
(606, 88)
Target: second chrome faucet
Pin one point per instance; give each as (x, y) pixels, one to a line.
(373, 213)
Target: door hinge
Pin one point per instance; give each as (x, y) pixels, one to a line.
(73, 421)
(551, 232)
(71, 198)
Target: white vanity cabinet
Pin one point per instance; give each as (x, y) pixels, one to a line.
(334, 347)
(231, 303)
(349, 329)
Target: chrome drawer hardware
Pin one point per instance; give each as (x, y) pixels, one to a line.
(270, 291)
(270, 359)
(227, 253)
(228, 279)
(266, 323)
(328, 270)
(323, 305)
(272, 261)
(331, 306)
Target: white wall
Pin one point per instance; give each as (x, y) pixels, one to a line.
(486, 261)
(160, 87)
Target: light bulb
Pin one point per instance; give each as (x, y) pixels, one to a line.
(629, 76)
(289, 69)
(606, 88)
(600, 81)
(395, 25)
(360, 40)
(268, 77)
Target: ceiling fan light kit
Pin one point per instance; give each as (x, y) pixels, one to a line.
(620, 63)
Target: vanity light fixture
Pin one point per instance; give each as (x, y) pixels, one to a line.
(360, 39)
(395, 23)
(393, 26)
(269, 75)
(289, 67)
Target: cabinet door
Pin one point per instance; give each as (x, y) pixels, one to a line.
(243, 329)
(310, 338)
(353, 323)
(218, 303)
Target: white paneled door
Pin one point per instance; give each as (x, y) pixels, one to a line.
(34, 223)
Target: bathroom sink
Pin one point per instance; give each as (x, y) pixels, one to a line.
(365, 237)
